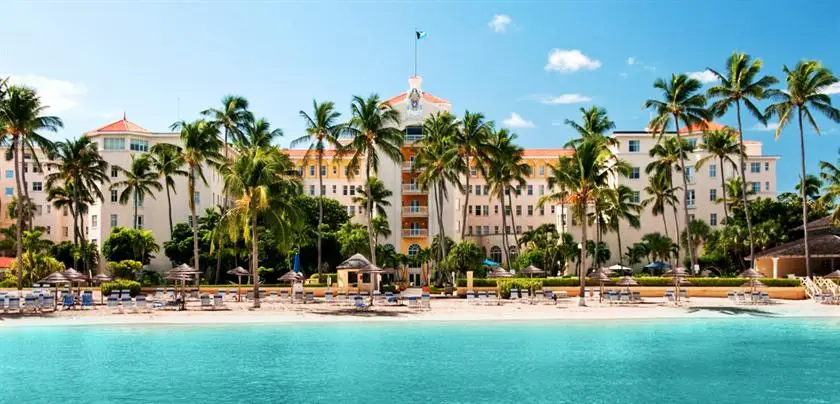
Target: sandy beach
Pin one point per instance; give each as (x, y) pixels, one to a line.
(442, 310)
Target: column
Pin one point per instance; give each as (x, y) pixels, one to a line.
(775, 267)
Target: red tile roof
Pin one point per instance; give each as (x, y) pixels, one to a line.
(6, 262)
(547, 152)
(300, 153)
(123, 125)
(426, 96)
(702, 127)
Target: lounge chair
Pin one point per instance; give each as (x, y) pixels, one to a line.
(636, 297)
(272, 296)
(624, 298)
(170, 293)
(48, 303)
(249, 295)
(141, 303)
(30, 303)
(113, 302)
(126, 302)
(549, 295)
(298, 297)
(310, 297)
(193, 293)
(470, 297)
(669, 296)
(482, 298)
(539, 296)
(87, 300)
(514, 294)
(683, 295)
(359, 303)
(223, 292)
(328, 296)
(596, 294)
(284, 296)
(586, 293)
(14, 304)
(205, 301)
(426, 301)
(3, 304)
(158, 294)
(67, 301)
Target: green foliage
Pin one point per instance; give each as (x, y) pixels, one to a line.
(353, 239)
(531, 256)
(125, 269)
(35, 267)
(150, 278)
(129, 244)
(120, 284)
(64, 252)
(465, 256)
(506, 284)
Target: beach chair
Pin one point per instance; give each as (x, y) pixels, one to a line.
(764, 298)
(669, 296)
(125, 302)
(539, 296)
(113, 302)
(284, 296)
(67, 301)
(232, 295)
(683, 295)
(193, 293)
(223, 291)
(87, 300)
(272, 296)
(310, 297)
(205, 301)
(29, 303)
(378, 297)
(48, 303)
(636, 297)
(249, 295)
(219, 300)
(328, 297)
(359, 303)
(732, 297)
(624, 298)
(514, 294)
(13, 305)
(596, 294)
(549, 295)
(3, 304)
(471, 297)
(755, 297)
(426, 301)
(482, 298)
(141, 304)
(298, 297)
(586, 293)
(158, 294)
(170, 293)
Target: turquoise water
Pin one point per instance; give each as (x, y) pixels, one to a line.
(743, 360)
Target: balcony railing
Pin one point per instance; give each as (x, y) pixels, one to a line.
(406, 166)
(415, 232)
(415, 211)
(413, 189)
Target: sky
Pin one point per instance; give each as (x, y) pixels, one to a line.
(525, 65)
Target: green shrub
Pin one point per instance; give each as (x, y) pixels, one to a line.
(333, 275)
(120, 284)
(505, 285)
(125, 269)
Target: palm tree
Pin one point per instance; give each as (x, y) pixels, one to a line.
(21, 119)
(439, 163)
(168, 162)
(806, 84)
(322, 131)
(732, 193)
(699, 232)
(830, 174)
(231, 118)
(381, 228)
(721, 144)
(681, 102)
(813, 184)
(263, 185)
(257, 133)
(200, 146)
(374, 194)
(740, 84)
(471, 140)
(662, 194)
(668, 153)
(373, 127)
(596, 124)
(506, 169)
(620, 206)
(581, 175)
(140, 180)
(659, 247)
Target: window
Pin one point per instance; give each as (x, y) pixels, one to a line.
(486, 230)
(541, 191)
(65, 231)
(756, 187)
(636, 197)
(495, 209)
(352, 190)
(9, 191)
(542, 211)
(507, 229)
(469, 230)
(518, 190)
(634, 173)
(36, 168)
(311, 190)
(140, 221)
(49, 229)
(49, 208)
(477, 190)
(496, 229)
(197, 197)
(766, 166)
(335, 188)
(689, 198)
(486, 190)
(512, 251)
(767, 185)
(755, 167)
(530, 190)
(323, 170)
(518, 210)
(113, 220)
(495, 253)
(478, 210)
(689, 174)
(346, 171)
(713, 219)
(542, 170)
(530, 210)
(335, 170)
(138, 145)
(530, 228)
(469, 209)
(10, 174)
(323, 190)
(114, 196)
(473, 172)
(485, 210)
(413, 133)
(37, 186)
(311, 171)
(114, 143)
(94, 221)
(712, 170)
(713, 194)
(344, 190)
(64, 212)
(635, 147)
(25, 167)
(552, 209)
(114, 172)
(413, 249)
(352, 210)
(692, 143)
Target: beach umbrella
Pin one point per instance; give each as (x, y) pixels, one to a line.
(750, 273)
(601, 278)
(356, 261)
(296, 267)
(490, 263)
(499, 272)
(618, 268)
(532, 270)
(678, 274)
(55, 278)
(627, 281)
(100, 278)
(833, 275)
(239, 272)
(293, 277)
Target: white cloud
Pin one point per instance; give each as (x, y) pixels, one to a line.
(516, 121)
(832, 89)
(58, 95)
(771, 127)
(631, 60)
(705, 76)
(500, 23)
(566, 61)
(564, 99)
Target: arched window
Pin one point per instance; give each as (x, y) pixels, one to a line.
(496, 254)
(512, 252)
(413, 250)
(388, 246)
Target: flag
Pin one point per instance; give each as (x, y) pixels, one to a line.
(420, 34)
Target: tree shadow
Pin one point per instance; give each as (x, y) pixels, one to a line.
(733, 311)
(361, 313)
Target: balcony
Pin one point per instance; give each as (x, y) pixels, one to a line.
(413, 189)
(415, 211)
(406, 166)
(415, 232)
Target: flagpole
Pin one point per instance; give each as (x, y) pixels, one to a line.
(416, 39)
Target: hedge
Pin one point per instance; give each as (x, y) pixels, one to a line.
(120, 284)
(643, 281)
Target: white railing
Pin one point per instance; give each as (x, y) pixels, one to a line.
(415, 232)
(413, 188)
(406, 166)
(415, 211)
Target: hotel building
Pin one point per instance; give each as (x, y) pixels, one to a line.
(411, 216)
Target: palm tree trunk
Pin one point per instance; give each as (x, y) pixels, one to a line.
(19, 241)
(504, 230)
(665, 224)
(685, 191)
(194, 222)
(320, 212)
(582, 259)
(135, 212)
(441, 230)
(25, 199)
(618, 234)
(804, 201)
(744, 185)
(82, 243)
(169, 206)
(218, 265)
(466, 200)
(254, 261)
(723, 190)
(513, 221)
(677, 227)
(369, 207)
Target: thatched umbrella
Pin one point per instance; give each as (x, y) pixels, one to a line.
(373, 270)
(627, 281)
(292, 277)
(498, 272)
(833, 275)
(678, 274)
(239, 272)
(753, 276)
(56, 278)
(601, 278)
(101, 278)
(531, 270)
